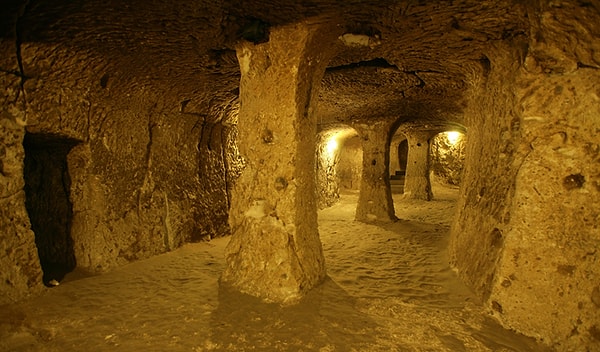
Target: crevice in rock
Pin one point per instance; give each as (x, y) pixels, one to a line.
(421, 81)
(378, 62)
(582, 65)
(89, 119)
(148, 153)
(18, 42)
(486, 65)
(255, 31)
(104, 80)
(14, 73)
(183, 104)
(199, 122)
(202, 132)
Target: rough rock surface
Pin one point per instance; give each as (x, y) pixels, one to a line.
(149, 95)
(349, 169)
(375, 199)
(275, 252)
(448, 158)
(147, 171)
(327, 156)
(418, 184)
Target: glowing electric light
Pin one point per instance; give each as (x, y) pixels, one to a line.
(332, 146)
(453, 137)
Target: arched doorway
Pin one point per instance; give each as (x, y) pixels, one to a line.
(339, 163)
(47, 189)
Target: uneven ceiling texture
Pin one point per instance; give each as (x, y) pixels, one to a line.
(416, 65)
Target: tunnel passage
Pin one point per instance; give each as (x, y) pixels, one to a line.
(403, 155)
(47, 185)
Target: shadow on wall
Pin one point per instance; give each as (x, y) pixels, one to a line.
(324, 320)
(47, 185)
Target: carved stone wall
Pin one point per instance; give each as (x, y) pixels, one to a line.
(526, 237)
(350, 163)
(145, 175)
(328, 182)
(447, 158)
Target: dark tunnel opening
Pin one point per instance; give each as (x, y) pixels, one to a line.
(47, 185)
(403, 155)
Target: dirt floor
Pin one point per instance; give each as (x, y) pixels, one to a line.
(389, 289)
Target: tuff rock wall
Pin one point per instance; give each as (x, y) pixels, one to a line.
(327, 157)
(145, 175)
(548, 280)
(145, 102)
(349, 168)
(526, 236)
(447, 159)
(487, 184)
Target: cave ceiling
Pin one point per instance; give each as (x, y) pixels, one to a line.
(417, 66)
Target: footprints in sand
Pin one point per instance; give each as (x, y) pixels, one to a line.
(405, 259)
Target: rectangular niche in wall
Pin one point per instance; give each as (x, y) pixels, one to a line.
(47, 187)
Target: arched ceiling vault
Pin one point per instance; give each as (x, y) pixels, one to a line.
(417, 60)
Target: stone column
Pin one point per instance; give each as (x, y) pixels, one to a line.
(375, 198)
(275, 252)
(417, 184)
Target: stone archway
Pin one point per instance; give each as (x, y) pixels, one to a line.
(336, 169)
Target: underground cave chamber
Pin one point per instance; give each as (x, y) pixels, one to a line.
(47, 189)
(521, 76)
(340, 155)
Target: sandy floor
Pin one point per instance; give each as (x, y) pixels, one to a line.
(389, 289)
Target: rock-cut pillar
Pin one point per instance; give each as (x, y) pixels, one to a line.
(417, 184)
(275, 252)
(375, 198)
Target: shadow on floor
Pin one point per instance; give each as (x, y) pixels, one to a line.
(326, 319)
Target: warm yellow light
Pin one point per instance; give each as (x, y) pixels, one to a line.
(332, 146)
(453, 137)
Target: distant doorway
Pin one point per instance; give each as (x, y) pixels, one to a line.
(403, 155)
(47, 188)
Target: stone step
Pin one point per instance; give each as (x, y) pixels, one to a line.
(397, 189)
(398, 175)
